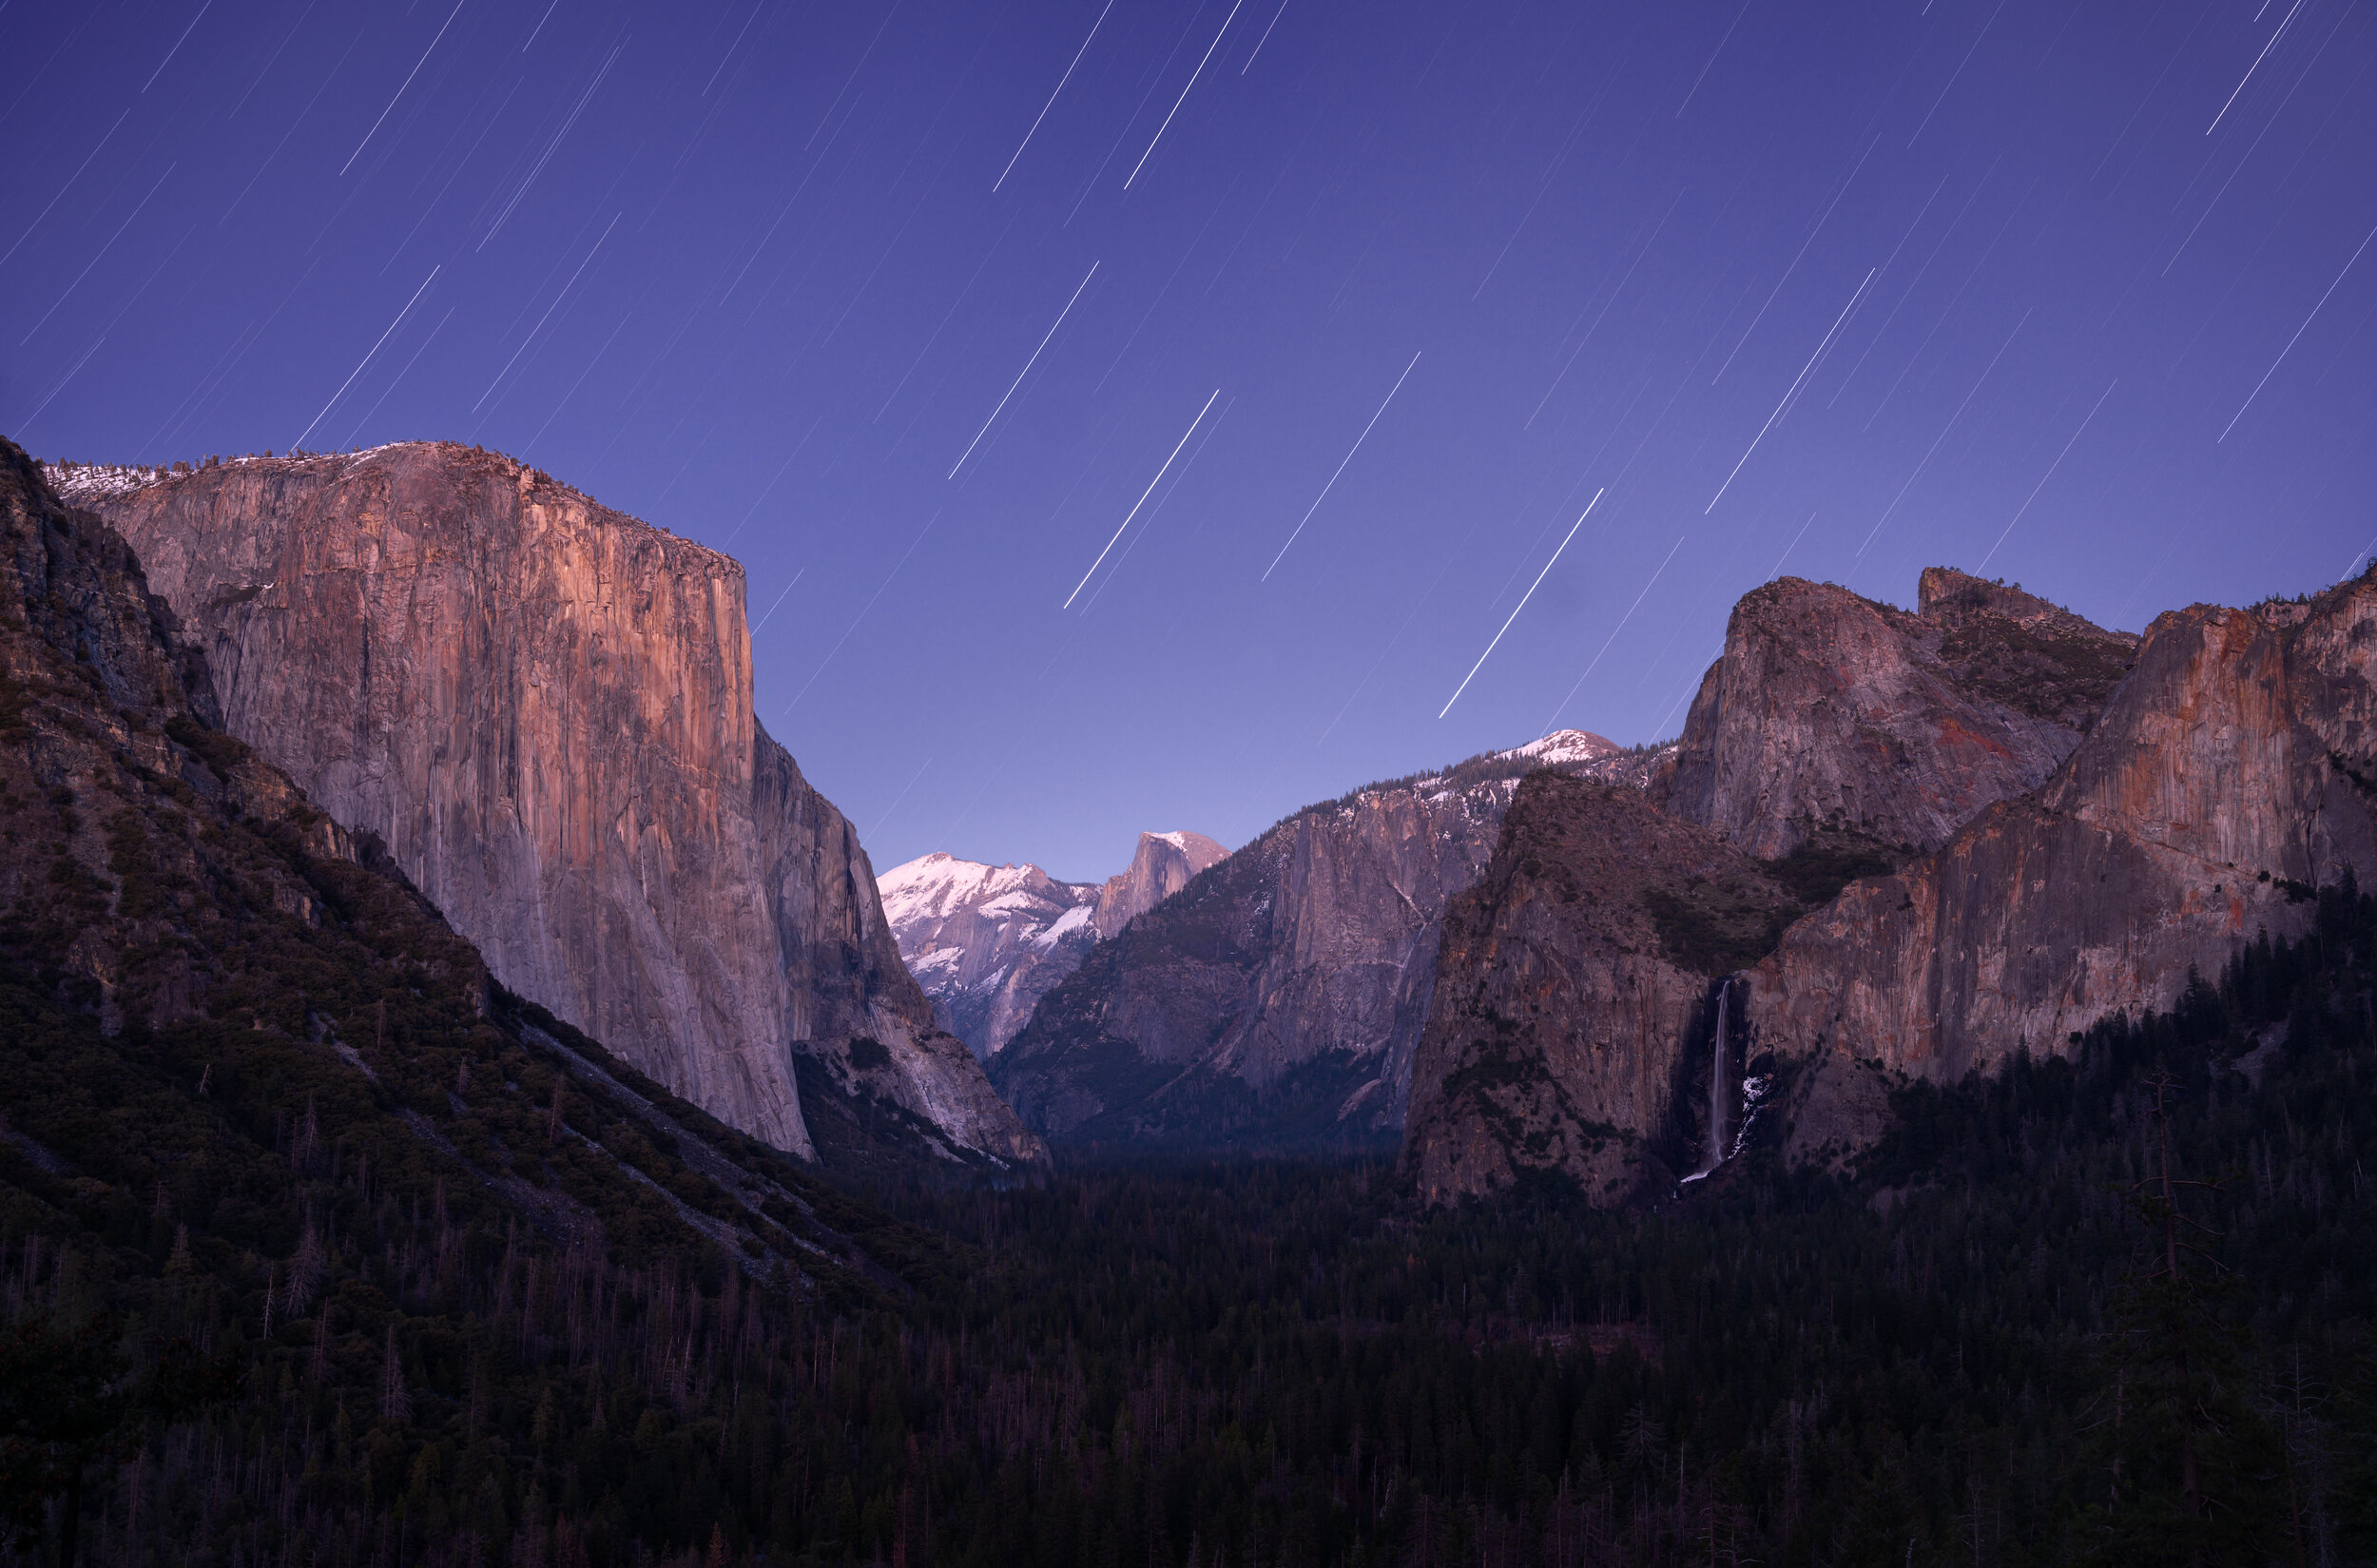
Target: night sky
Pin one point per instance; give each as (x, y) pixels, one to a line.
(1348, 312)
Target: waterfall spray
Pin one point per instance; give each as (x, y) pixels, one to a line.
(1718, 1096)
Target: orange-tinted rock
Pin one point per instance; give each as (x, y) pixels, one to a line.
(544, 707)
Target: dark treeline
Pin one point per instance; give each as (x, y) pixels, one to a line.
(1976, 1351)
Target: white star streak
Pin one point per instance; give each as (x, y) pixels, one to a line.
(1024, 372)
(1614, 631)
(367, 359)
(1943, 434)
(538, 167)
(1953, 76)
(101, 251)
(2255, 66)
(1140, 502)
(61, 386)
(408, 81)
(1183, 94)
(1267, 36)
(2298, 333)
(1522, 604)
(1052, 99)
(176, 49)
(63, 189)
(547, 316)
(779, 599)
(861, 616)
(1340, 468)
(2044, 477)
(1786, 396)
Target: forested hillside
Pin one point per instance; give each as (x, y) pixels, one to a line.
(1971, 1353)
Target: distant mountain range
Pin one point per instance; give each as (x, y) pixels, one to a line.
(988, 941)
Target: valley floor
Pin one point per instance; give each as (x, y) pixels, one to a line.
(2004, 1340)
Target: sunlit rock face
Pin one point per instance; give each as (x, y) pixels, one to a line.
(987, 941)
(2056, 825)
(1827, 711)
(544, 707)
(2231, 773)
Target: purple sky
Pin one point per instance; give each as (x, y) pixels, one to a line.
(2078, 282)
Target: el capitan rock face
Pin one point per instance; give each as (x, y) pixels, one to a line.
(544, 707)
(987, 942)
(1276, 1001)
(1828, 710)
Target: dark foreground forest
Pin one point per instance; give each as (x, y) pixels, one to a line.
(2005, 1340)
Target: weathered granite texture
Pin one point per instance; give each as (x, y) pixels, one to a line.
(544, 707)
(2226, 778)
(1160, 866)
(1566, 1030)
(1829, 710)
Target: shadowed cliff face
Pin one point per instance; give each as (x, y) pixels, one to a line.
(2216, 788)
(544, 707)
(1565, 1019)
(1276, 1001)
(1828, 710)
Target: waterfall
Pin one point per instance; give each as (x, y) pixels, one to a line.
(1717, 1096)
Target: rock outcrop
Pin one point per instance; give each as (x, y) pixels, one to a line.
(1827, 711)
(2044, 824)
(544, 709)
(2231, 773)
(1160, 867)
(1570, 1024)
(1275, 1001)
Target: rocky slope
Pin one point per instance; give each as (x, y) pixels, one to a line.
(2232, 772)
(1275, 1001)
(1827, 711)
(214, 992)
(1573, 1009)
(544, 709)
(987, 942)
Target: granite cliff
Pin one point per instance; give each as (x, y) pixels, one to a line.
(2230, 775)
(1573, 998)
(214, 993)
(1983, 827)
(1828, 711)
(1276, 999)
(987, 942)
(543, 707)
